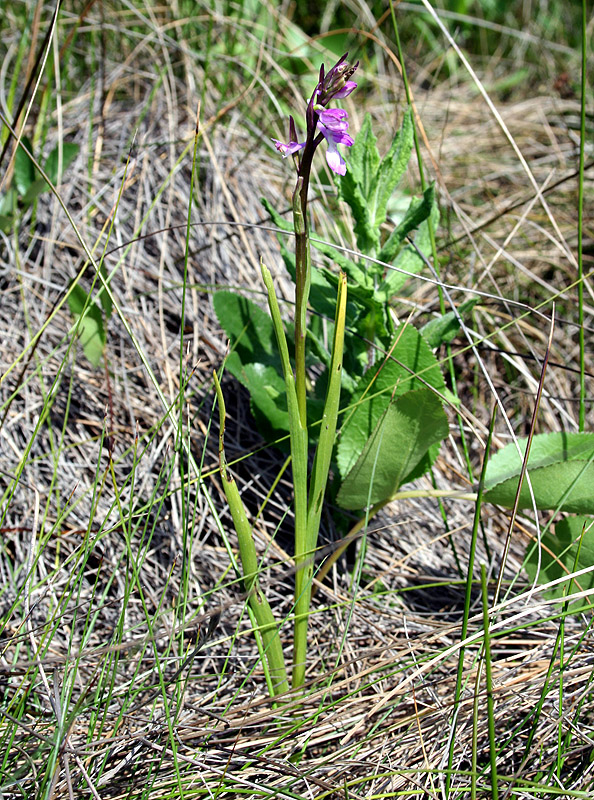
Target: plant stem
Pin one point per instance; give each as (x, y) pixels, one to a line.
(271, 649)
(302, 286)
(298, 436)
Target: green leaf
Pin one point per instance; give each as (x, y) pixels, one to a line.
(561, 469)
(69, 153)
(412, 366)
(409, 262)
(37, 187)
(390, 171)
(104, 297)
(417, 212)
(276, 218)
(364, 159)
(267, 394)
(8, 207)
(409, 427)
(352, 270)
(569, 549)
(90, 328)
(442, 330)
(249, 328)
(354, 187)
(24, 169)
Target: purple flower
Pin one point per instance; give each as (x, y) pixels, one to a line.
(289, 148)
(331, 123)
(345, 91)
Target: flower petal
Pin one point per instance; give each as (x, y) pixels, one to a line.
(335, 161)
(349, 87)
(288, 149)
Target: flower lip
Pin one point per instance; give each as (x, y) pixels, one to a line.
(334, 118)
(288, 149)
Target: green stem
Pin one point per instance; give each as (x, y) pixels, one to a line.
(271, 650)
(298, 439)
(317, 489)
(302, 286)
(580, 244)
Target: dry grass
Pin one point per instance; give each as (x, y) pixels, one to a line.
(114, 555)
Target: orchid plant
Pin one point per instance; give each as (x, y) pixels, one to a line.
(260, 357)
(381, 370)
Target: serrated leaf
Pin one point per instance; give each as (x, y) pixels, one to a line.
(559, 557)
(364, 158)
(442, 330)
(409, 262)
(561, 469)
(69, 153)
(409, 427)
(417, 212)
(390, 171)
(352, 270)
(24, 169)
(412, 366)
(354, 188)
(91, 330)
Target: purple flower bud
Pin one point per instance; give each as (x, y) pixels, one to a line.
(345, 91)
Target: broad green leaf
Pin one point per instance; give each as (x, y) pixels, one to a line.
(409, 427)
(91, 330)
(561, 469)
(409, 262)
(37, 187)
(104, 297)
(267, 393)
(6, 223)
(412, 366)
(249, 328)
(69, 153)
(417, 212)
(442, 330)
(390, 171)
(8, 210)
(24, 169)
(559, 557)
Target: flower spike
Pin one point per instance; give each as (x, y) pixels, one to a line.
(322, 122)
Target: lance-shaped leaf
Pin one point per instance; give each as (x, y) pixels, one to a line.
(403, 440)
(412, 365)
(442, 330)
(417, 212)
(390, 171)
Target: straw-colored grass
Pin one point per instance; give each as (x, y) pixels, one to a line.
(115, 537)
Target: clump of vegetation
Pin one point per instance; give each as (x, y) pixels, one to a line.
(398, 337)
